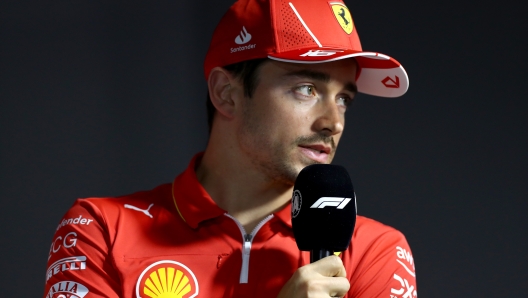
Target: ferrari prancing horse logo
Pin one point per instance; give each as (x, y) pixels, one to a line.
(343, 16)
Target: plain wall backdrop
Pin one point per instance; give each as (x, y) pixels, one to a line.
(103, 98)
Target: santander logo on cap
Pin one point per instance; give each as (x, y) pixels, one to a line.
(243, 37)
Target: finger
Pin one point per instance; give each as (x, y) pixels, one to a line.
(339, 287)
(330, 266)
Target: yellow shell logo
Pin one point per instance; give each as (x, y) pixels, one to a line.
(343, 16)
(167, 279)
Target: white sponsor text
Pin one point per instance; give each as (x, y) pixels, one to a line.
(69, 240)
(406, 289)
(66, 264)
(75, 221)
(243, 48)
(68, 289)
(401, 253)
(407, 257)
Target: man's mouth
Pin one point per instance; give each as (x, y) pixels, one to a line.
(316, 152)
(318, 148)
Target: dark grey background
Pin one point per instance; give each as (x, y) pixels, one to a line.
(103, 98)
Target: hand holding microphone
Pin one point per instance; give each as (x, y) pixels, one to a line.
(324, 278)
(323, 220)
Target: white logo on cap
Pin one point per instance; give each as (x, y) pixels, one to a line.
(318, 53)
(243, 37)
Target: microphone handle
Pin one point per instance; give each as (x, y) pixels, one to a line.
(319, 253)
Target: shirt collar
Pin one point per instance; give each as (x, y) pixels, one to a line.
(191, 200)
(285, 215)
(195, 205)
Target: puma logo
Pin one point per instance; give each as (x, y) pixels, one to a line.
(146, 211)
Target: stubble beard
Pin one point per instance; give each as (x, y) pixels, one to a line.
(271, 159)
(276, 162)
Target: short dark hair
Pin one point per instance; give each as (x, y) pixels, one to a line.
(246, 71)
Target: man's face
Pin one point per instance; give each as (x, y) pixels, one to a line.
(296, 116)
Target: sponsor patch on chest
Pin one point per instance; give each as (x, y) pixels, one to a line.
(168, 279)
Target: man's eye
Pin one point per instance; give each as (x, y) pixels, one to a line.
(306, 90)
(344, 101)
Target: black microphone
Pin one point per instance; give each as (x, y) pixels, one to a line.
(323, 210)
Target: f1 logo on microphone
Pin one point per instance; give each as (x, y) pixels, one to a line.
(340, 203)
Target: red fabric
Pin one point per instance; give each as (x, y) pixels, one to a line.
(121, 251)
(274, 28)
(300, 31)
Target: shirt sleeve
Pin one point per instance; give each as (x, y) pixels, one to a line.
(79, 261)
(385, 269)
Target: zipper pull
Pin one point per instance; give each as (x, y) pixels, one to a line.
(246, 249)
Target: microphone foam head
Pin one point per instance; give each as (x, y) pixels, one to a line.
(323, 208)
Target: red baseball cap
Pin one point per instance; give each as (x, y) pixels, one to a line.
(301, 31)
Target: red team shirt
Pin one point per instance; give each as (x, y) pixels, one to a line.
(174, 241)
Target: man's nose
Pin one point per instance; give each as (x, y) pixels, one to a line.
(330, 120)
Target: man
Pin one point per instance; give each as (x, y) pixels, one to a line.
(280, 77)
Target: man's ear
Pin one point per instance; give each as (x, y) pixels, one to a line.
(221, 91)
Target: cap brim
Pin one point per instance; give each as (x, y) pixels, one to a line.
(380, 75)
